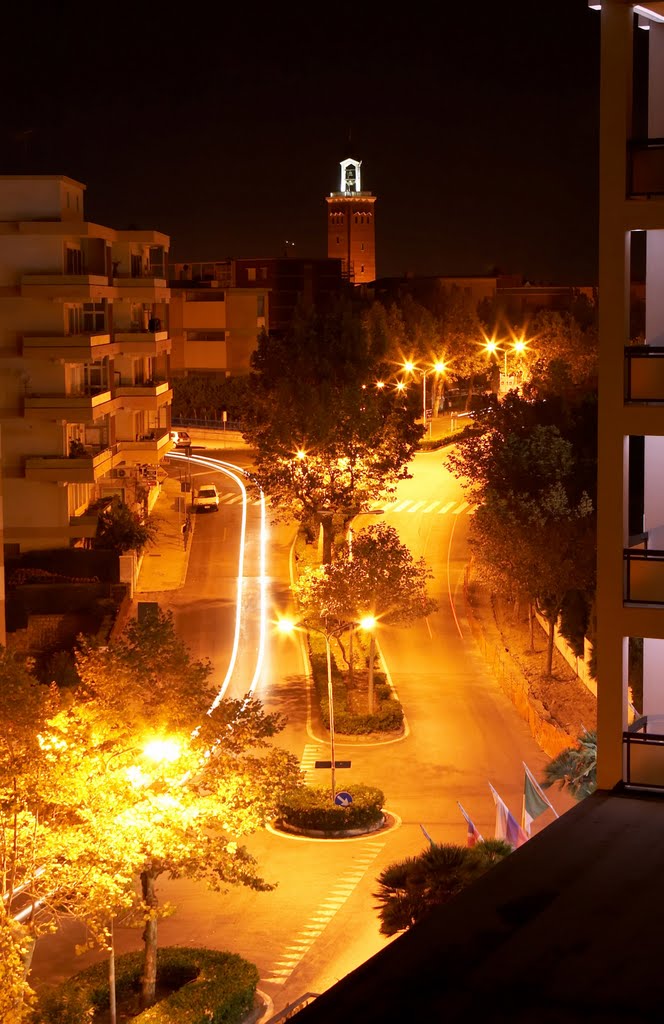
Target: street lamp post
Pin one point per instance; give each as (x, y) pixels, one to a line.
(437, 368)
(288, 626)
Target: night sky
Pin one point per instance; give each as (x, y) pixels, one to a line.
(476, 125)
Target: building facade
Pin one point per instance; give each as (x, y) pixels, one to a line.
(351, 226)
(213, 326)
(85, 398)
(630, 542)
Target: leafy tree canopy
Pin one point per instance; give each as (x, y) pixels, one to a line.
(122, 529)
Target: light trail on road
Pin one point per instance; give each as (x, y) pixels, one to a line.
(236, 473)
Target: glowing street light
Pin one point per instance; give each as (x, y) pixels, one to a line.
(438, 367)
(286, 625)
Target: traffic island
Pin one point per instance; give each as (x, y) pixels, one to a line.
(311, 812)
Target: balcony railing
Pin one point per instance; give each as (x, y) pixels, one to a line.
(645, 167)
(644, 374)
(643, 576)
(643, 748)
(84, 468)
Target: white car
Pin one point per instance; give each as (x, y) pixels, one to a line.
(207, 499)
(180, 438)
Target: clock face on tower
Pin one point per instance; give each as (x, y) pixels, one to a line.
(350, 176)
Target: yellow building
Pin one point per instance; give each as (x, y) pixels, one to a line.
(214, 327)
(630, 548)
(84, 362)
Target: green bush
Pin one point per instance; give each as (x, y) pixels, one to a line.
(310, 808)
(210, 988)
(388, 714)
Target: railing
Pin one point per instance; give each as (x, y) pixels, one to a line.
(645, 167)
(206, 424)
(644, 576)
(289, 1011)
(644, 374)
(643, 747)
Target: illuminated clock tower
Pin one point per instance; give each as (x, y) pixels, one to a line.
(350, 225)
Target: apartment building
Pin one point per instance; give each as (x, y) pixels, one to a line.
(214, 326)
(84, 362)
(630, 556)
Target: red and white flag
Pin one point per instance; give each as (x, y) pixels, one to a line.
(474, 836)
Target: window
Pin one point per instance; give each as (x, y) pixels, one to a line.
(362, 269)
(263, 273)
(260, 305)
(251, 273)
(94, 317)
(362, 247)
(74, 261)
(338, 240)
(74, 319)
(136, 265)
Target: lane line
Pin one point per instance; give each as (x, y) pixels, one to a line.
(449, 583)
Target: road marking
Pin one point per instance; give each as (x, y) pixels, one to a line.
(327, 908)
(233, 501)
(430, 507)
(460, 509)
(446, 508)
(388, 506)
(418, 505)
(403, 505)
(226, 496)
(472, 509)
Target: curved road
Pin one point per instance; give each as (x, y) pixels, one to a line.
(319, 923)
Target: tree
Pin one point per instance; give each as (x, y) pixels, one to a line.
(561, 355)
(575, 768)
(410, 889)
(372, 574)
(49, 862)
(122, 529)
(168, 778)
(328, 441)
(534, 528)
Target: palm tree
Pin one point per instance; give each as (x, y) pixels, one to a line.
(575, 768)
(409, 889)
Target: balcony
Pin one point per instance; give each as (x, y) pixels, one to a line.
(58, 285)
(78, 407)
(645, 167)
(643, 749)
(143, 343)
(150, 448)
(85, 525)
(644, 374)
(79, 469)
(73, 348)
(148, 396)
(147, 288)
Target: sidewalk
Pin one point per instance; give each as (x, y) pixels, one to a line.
(164, 563)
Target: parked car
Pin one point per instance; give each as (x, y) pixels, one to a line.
(207, 499)
(181, 438)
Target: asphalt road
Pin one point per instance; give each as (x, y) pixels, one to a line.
(319, 922)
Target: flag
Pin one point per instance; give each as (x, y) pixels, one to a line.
(534, 800)
(507, 827)
(474, 835)
(427, 835)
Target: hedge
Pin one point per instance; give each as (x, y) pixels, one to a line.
(210, 988)
(388, 715)
(311, 808)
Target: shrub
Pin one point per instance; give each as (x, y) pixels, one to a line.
(210, 988)
(313, 809)
(388, 715)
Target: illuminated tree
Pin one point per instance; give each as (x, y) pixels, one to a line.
(327, 440)
(375, 575)
(168, 779)
(575, 768)
(122, 529)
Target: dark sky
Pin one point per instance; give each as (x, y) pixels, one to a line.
(223, 125)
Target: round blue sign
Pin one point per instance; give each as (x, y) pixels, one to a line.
(343, 799)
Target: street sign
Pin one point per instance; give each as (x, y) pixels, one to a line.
(343, 799)
(328, 764)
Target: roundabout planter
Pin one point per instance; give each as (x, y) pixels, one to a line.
(345, 833)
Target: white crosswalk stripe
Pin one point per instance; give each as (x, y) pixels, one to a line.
(430, 507)
(404, 504)
(446, 508)
(460, 509)
(417, 506)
